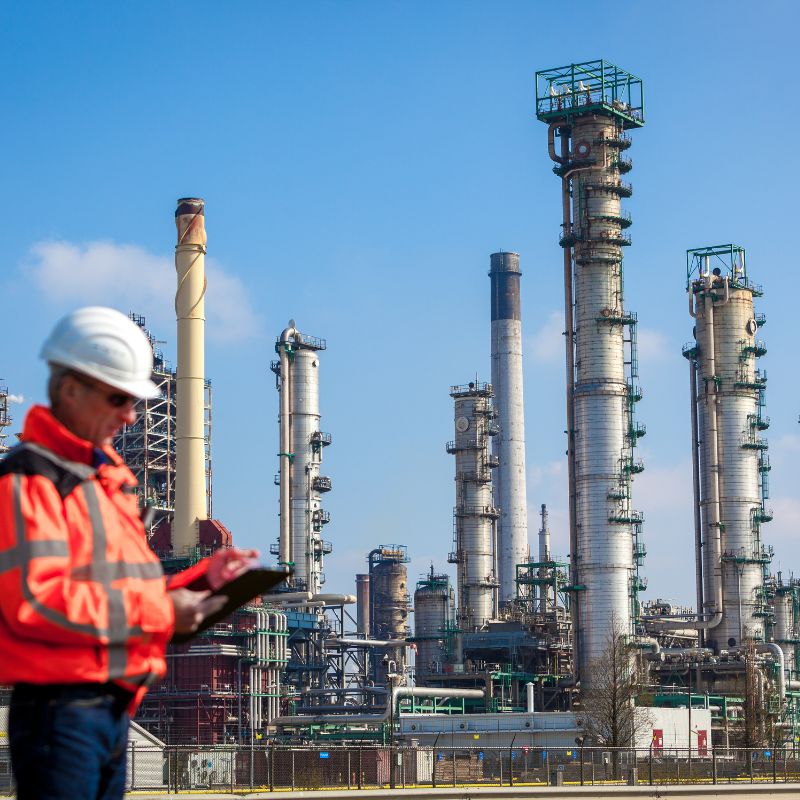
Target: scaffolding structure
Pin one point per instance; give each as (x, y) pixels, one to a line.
(224, 686)
(148, 446)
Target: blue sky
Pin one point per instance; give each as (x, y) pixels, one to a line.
(360, 161)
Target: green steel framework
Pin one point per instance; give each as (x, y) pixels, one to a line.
(590, 86)
(554, 576)
(729, 259)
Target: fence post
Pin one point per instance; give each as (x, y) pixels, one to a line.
(454, 767)
(750, 764)
(581, 765)
(713, 764)
(650, 765)
(349, 775)
(511, 766)
(133, 765)
(271, 767)
(774, 767)
(292, 769)
(689, 761)
(433, 770)
(234, 763)
(359, 768)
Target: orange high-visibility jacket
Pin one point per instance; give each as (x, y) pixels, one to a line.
(83, 598)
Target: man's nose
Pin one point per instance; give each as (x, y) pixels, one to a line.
(128, 414)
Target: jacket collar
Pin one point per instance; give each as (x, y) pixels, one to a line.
(43, 428)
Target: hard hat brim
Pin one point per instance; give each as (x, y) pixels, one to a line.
(143, 390)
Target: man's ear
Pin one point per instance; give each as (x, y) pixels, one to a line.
(69, 391)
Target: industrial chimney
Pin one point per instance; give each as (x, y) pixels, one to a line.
(509, 444)
(190, 481)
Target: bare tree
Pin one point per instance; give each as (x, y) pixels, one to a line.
(610, 716)
(758, 726)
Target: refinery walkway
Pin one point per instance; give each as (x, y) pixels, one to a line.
(687, 792)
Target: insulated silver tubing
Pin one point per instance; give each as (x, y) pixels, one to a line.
(509, 443)
(285, 542)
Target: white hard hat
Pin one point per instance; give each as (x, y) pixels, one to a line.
(103, 344)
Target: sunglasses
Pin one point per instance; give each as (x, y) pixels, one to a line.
(114, 399)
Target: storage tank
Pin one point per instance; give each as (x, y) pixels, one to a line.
(433, 624)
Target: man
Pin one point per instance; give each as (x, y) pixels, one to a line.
(85, 610)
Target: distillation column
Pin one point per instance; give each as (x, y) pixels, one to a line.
(388, 586)
(732, 455)
(474, 513)
(589, 106)
(509, 443)
(433, 625)
(300, 543)
(190, 446)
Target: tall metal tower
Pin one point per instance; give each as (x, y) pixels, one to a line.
(509, 443)
(300, 543)
(474, 513)
(730, 459)
(589, 106)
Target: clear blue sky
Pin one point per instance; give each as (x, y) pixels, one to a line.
(360, 161)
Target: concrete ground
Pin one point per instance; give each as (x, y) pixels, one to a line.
(686, 792)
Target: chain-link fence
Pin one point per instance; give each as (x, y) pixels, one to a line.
(276, 767)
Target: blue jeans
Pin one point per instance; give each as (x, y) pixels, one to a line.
(68, 742)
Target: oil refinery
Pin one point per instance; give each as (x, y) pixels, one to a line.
(499, 638)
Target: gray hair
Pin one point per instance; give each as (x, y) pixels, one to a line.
(57, 374)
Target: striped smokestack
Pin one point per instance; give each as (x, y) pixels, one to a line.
(509, 443)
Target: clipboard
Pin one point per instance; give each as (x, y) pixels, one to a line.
(252, 583)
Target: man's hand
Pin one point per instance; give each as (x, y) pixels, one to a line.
(227, 564)
(191, 608)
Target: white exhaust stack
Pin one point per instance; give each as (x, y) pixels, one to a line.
(190, 479)
(509, 443)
